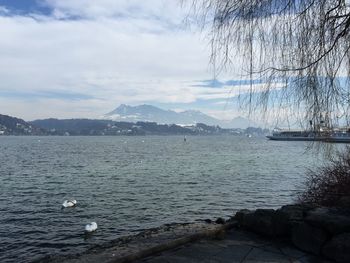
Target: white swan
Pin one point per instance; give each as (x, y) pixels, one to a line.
(91, 227)
(69, 203)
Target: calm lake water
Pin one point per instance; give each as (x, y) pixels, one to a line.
(127, 184)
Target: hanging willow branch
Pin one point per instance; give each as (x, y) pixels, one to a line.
(302, 43)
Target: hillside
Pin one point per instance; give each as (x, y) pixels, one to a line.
(85, 127)
(108, 127)
(14, 126)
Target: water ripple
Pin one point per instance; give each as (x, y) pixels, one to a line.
(128, 184)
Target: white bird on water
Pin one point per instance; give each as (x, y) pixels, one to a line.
(69, 203)
(91, 227)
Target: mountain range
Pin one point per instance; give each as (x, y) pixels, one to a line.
(149, 113)
(85, 127)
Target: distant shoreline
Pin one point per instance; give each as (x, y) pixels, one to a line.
(86, 127)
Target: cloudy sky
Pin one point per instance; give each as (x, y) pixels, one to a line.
(82, 58)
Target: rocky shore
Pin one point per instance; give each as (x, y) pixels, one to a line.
(324, 232)
(321, 232)
(146, 243)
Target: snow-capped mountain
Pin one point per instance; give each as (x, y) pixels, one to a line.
(151, 113)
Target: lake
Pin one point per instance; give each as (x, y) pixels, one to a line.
(127, 184)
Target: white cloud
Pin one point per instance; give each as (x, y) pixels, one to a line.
(154, 9)
(4, 10)
(114, 60)
(118, 52)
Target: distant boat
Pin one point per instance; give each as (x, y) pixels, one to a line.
(335, 135)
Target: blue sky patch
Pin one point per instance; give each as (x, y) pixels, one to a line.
(24, 7)
(214, 83)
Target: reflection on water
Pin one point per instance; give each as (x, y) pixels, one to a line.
(126, 184)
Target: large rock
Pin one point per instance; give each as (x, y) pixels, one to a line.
(286, 217)
(262, 221)
(292, 212)
(338, 248)
(344, 201)
(296, 212)
(309, 238)
(240, 216)
(333, 221)
(269, 222)
(259, 221)
(220, 221)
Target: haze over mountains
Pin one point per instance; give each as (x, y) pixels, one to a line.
(151, 113)
(132, 120)
(87, 127)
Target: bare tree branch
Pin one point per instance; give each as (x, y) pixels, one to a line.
(304, 43)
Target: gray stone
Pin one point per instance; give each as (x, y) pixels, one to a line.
(240, 215)
(293, 212)
(220, 221)
(329, 219)
(309, 238)
(338, 248)
(286, 217)
(344, 201)
(261, 222)
(270, 222)
(264, 212)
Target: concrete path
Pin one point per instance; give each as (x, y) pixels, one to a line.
(235, 246)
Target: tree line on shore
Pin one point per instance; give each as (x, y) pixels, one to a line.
(14, 126)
